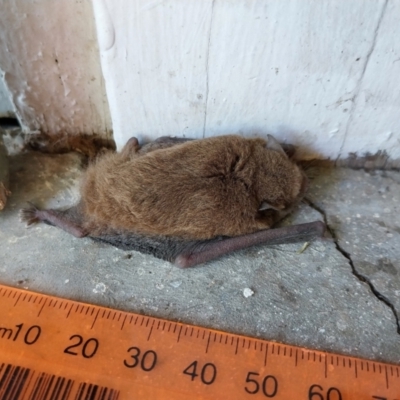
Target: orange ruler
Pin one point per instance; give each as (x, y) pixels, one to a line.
(56, 349)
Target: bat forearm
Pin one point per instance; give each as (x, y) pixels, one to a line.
(214, 249)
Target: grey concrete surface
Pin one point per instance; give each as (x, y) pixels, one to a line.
(311, 298)
(363, 209)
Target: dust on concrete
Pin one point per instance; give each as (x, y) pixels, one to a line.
(309, 298)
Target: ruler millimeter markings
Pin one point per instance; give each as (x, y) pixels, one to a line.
(53, 349)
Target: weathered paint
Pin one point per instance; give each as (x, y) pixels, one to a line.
(49, 54)
(289, 68)
(154, 60)
(297, 69)
(375, 119)
(321, 75)
(6, 106)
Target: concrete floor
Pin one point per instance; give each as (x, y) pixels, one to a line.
(341, 294)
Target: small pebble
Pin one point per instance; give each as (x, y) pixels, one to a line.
(247, 292)
(100, 288)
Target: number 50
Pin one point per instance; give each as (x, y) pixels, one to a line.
(269, 385)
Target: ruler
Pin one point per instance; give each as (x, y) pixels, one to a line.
(52, 348)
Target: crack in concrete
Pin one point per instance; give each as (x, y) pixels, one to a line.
(345, 254)
(358, 86)
(207, 69)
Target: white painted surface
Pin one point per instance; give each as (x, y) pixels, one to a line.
(289, 68)
(298, 69)
(154, 60)
(323, 75)
(6, 106)
(375, 122)
(49, 53)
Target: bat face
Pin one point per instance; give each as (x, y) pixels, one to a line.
(280, 185)
(195, 190)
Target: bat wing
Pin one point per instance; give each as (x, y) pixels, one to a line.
(188, 253)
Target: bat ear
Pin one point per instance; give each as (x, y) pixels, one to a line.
(266, 206)
(273, 144)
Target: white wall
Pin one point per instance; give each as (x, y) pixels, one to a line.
(324, 75)
(321, 74)
(49, 55)
(6, 106)
(375, 119)
(154, 60)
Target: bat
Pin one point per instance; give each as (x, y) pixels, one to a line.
(188, 201)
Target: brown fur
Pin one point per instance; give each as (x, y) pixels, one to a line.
(198, 189)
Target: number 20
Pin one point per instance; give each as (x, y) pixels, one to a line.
(89, 348)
